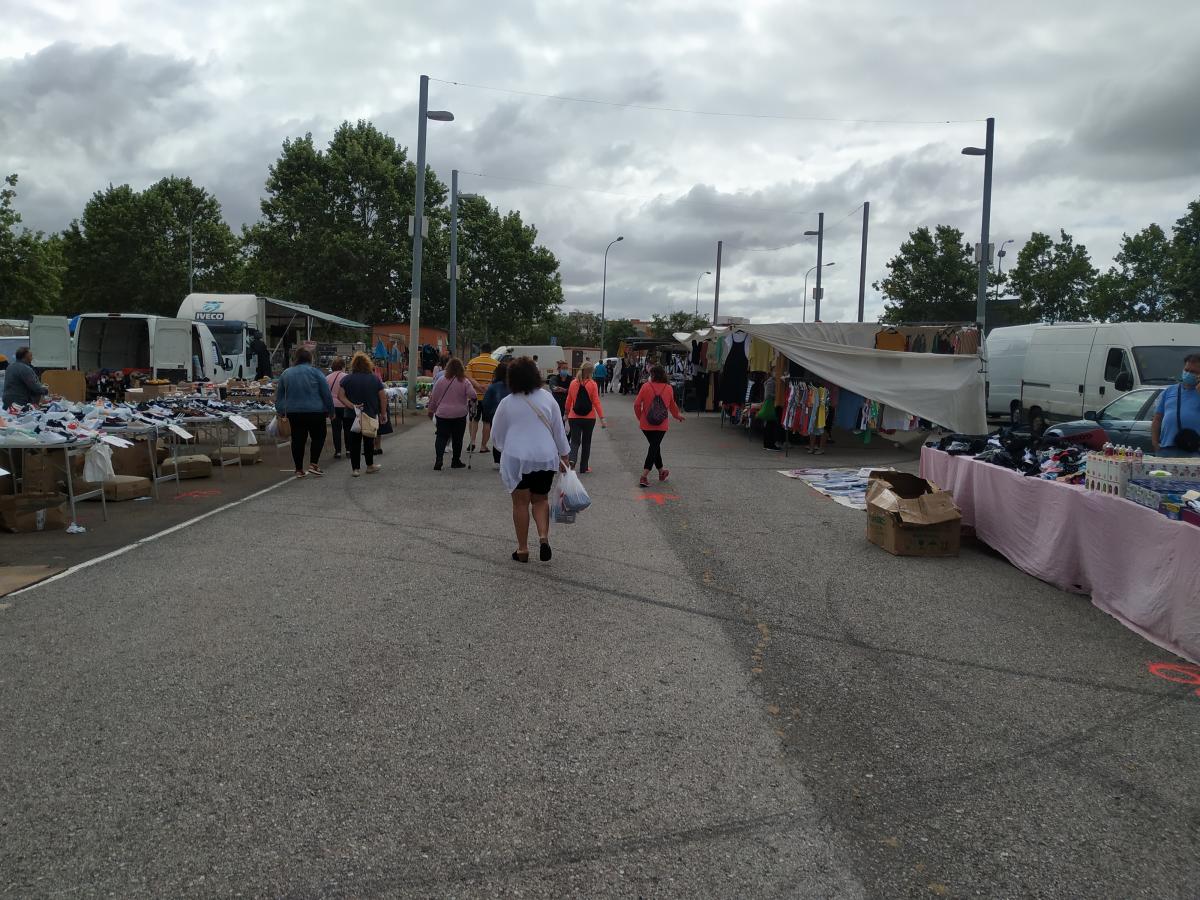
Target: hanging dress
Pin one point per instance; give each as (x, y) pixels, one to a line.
(734, 372)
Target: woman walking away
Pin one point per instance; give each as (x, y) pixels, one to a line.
(496, 392)
(450, 401)
(362, 391)
(583, 408)
(528, 431)
(654, 402)
(303, 396)
(343, 416)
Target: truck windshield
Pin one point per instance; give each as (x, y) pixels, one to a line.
(228, 339)
(1161, 365)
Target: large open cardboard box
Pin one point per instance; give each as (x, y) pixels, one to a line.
(909, 516)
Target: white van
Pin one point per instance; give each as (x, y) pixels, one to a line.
(548, 356)
(1059, 372)
(176, 349)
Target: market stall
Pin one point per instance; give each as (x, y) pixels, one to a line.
(1137, 564)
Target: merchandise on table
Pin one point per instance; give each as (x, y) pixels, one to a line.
(1167, 495)
(1110, 474)
(1015, 448)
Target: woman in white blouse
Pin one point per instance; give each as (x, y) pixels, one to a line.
(528, 431)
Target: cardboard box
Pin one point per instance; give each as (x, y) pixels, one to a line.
(42, 472)
(133, 460)
(909, 516)
(34, 512)
(118, 487)
(192, 466)
(249, 455)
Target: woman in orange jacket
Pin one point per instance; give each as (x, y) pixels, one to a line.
(654, 402)
(583, 409)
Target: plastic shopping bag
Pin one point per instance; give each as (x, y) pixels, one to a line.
(574, 497)
(558, 511)
(273, 427)
(97, 464)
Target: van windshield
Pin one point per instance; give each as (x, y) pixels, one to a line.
(1161, 365)
(228, 339)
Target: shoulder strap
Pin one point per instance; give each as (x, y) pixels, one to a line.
(1178, 408)
(545, 422)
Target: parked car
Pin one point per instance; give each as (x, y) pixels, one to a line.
(1125, 421)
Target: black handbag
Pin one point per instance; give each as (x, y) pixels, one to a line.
(1186, 439)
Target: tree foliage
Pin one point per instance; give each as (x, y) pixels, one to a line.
(1137, 287)
(933, 278)
(1052, 280)
(679, 320)
(508, 284)
(31, 264)
(128, 252)
(334, 228)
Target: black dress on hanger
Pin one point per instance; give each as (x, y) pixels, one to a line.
(734, 374)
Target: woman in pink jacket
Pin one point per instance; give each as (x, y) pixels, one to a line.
(450, 401)
(655, 401)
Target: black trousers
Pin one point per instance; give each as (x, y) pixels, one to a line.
(773, 429)
(654, 453)
(581, 435)
(450, 430)
(343, 418)
(358, 446)
(307, 428)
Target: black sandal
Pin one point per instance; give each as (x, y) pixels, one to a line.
(520, 557)
(544, 552)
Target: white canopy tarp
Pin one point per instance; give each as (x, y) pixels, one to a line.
(946, 389)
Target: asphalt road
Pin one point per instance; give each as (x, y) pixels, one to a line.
(717, 688)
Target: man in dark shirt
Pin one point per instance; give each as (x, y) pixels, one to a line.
(21, 384)
(559, 384)
(261, 354)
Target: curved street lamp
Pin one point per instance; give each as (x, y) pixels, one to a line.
(604, 289)
(698, 277)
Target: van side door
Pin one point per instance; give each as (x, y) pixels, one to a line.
(1108, 364)
(50, 342)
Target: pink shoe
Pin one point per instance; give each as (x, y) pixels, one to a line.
(663, 474)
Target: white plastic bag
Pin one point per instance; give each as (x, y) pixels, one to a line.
(356, 427)
(574, 497)
(244, 438)
(97, 464)
(273, 427)
(558, 512)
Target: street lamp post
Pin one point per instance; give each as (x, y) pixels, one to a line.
(820, 235)
(604, 289)
(424, 113)
(986, 152)
(804, 307)
(698, 277)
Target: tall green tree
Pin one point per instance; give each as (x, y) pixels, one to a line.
(679, 320)
(506, 280)
(932, 279)
(1185, 274)
(128, 251)
(31, 264)
(1053, 280)
(334, 229)
(1138, 286)
(568, 329)
(615, 331)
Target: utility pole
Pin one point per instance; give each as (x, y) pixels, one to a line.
(717, 286)
(414, 308)
(862, 266)
(454, 262)
(820, 247)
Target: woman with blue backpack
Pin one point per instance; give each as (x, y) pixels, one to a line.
(655, 402)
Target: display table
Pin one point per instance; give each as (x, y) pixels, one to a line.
(1138, 566)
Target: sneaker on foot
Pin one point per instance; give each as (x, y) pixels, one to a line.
(457, 464)
(371, 470)
(643, 481)
(437, 466)
(663, 474)
(355, 473)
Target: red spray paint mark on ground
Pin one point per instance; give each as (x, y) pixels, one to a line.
(1179, 673)
(197, 495)
(659, 499)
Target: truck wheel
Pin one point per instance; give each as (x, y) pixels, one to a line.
(1014, 412)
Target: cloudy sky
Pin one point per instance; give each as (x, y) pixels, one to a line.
(1096, 105)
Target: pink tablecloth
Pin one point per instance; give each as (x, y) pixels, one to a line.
(1137, 565)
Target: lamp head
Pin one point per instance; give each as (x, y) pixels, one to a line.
(811, 233)
(440, 115)
(621, 237)
(974, 151)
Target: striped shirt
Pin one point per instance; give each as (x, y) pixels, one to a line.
(480, 370)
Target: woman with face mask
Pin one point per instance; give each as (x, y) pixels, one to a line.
(560, 386)
(1175, 429)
